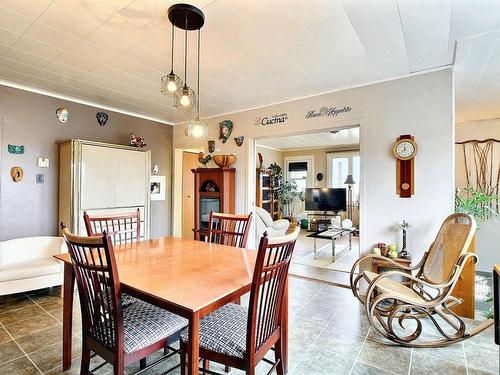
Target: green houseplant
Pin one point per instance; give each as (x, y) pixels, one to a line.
(289, 195)
(479, 205)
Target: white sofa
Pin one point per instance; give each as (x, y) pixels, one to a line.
(264, 223)
(27, 264)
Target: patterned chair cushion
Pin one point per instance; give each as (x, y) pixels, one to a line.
(145, 324)
(223, 331)
(128, 300)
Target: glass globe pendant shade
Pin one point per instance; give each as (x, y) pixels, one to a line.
(170, 83)
(197, 129)
(185, 99)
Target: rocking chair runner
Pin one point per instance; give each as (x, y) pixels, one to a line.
(425, 295)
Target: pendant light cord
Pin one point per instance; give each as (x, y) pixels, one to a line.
(198, 101)
(185, 50)
(173, 36)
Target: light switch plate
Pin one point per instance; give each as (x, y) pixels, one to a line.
(43, 162)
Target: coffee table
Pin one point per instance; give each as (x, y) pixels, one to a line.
(332, 234)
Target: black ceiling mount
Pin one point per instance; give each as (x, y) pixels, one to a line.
(178, 13)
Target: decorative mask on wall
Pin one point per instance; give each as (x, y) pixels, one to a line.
(14, 149)
(319, 176)
(211, 146)
(102, 118)
(225, 130)
(156, 169)
(239, 140)
(62, 115)
(16, 173)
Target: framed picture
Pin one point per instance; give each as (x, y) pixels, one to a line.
(157, 188)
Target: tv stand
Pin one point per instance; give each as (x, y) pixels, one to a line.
(316, 220)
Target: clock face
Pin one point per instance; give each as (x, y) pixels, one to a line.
(405, 149)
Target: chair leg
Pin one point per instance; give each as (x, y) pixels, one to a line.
(142, 364)
(183, 359)
(278, 356)
(85, 362)
(227, 369)
(206, 365)
(119, 368)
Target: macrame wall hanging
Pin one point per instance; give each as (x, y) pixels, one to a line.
(482, 167)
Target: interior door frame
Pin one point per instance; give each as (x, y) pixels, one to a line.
(176, 226)
(363, 140)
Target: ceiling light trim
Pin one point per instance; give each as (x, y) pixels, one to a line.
(90, 103)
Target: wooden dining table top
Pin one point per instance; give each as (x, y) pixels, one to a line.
(182, 272)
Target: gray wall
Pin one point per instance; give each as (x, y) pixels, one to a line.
(29, 209)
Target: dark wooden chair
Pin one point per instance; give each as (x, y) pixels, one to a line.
(123, 228)
(120, 335)
(229, 229)
(240, 337)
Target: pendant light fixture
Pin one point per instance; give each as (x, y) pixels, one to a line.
(196, 128)
(171, 82)
(187, 18)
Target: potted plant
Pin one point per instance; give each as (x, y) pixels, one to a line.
(479, 205)
(289, 196)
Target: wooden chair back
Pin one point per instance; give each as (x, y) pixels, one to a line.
(99, 289)
(267, 291)
(123, 228)
(229, 229)
(452, 241)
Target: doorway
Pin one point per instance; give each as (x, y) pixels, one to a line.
(189, 161)
(320, 160)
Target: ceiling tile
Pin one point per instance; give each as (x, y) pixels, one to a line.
(61, 19)
(109, 41)
(14, 22)
(41, 49)
(26, 57)
(64, 69)
(426, 27)
(28, 8)
(92, 52)
(8, 37)
(378, 27)
(51, 36)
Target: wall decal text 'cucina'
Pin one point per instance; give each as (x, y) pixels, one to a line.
(325, 111)
(271, 120)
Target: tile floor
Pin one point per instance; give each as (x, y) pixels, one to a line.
(328, 335)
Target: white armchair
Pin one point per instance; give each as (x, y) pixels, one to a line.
(264, 223)
(27, 264)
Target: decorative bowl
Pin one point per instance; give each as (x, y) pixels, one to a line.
(224, 161)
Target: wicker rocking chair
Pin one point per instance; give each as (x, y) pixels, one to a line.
(426, 296)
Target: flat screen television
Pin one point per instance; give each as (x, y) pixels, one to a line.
(325, 199)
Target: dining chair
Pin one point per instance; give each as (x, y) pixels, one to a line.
(229, 229)
(240, 337)
(119, 335)
(123, 228)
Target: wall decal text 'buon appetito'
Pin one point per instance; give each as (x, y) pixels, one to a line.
(325, 111)
(271, 120)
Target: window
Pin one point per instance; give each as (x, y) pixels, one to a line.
(339, 166)
(300, 178)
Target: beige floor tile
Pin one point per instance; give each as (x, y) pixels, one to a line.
(31, 325)
(8, 351)
(20, 366)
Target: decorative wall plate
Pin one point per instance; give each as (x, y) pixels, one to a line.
(239, 140)
(211, 146)
(225, 130)
(16, 173)
(62, 115)
(102, 118)
(14, 149)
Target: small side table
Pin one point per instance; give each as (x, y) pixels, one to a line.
(382, 264)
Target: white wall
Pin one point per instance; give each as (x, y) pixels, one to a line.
(421, 105)
(488, 235)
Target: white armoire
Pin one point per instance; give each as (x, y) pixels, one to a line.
(102, 179)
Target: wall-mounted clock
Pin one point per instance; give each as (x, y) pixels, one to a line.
(404, 150)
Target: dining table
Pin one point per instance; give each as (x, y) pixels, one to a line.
(186, 277)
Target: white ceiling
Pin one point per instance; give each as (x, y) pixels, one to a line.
(254, 52)
(311, 141)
